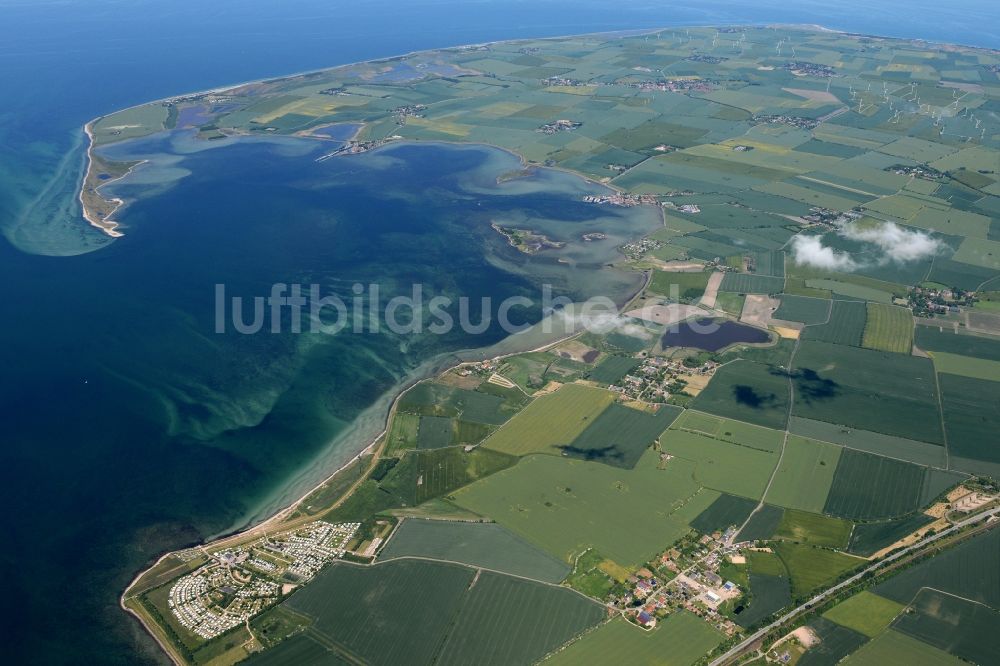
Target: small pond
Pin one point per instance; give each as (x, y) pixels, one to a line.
(712, 334)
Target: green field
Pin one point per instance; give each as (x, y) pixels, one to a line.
(484, 545)
(812, 568)
(566, 506)
(589, 577)
(725, 511)
(682, 287)
(334, 488)
(937, 481)
(498, 608)
(722, 466)
(865, 612)
(850, 290)
(613, 368)
(797, 287)
(846, 324)
(911, 450)
(871, 390)
(551, 421)
(869, 487)
(805, 474)
(769, 263)
(728, 430)
(730, 303)
(700, 422)
(932, 339)
(769, 594)
(762, 524)
(402, 433)
(434, 432)
(297, 650)
(972, 419)
(436, 399)
(467, 433)
(766, 563)
(836, 642)
(893, 647)
(889, 328)
(966, 366)
(750, 435)
(527, 370)
(679, 640)
(813, 529)
(746, 283)
(352, 607)
(962, 275)
(424, 475)
(747, 391)
(620, 435)
(804, 309)
(869, 538)
(365, 501)
(970, 570)
(130, 123)
(961, 628)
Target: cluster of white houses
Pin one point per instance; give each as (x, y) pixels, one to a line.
(239, 583)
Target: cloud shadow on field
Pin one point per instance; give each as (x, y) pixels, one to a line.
(608, 454)
(749, 396)
(811, 387)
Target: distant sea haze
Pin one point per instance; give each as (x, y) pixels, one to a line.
(131, 428)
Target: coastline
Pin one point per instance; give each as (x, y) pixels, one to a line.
(103, 220)
(109, 227)
(371, 446)
(106, 223)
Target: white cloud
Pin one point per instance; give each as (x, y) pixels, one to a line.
(894, 244)
(604, 322)
(810, 251)
(899, 245)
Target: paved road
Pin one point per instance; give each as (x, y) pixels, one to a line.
(740, 648)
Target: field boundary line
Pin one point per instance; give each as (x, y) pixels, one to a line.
(825, 441)
(944, 429)
(840, 187)
(331, 645)
(949, 594)
(784, 442)
(475, 567)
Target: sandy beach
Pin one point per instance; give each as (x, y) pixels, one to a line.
(95, 212)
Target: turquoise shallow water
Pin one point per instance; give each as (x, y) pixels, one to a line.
(128, 426)
(131, 425)
(252, 213)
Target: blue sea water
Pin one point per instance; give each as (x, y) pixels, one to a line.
(128, 427)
